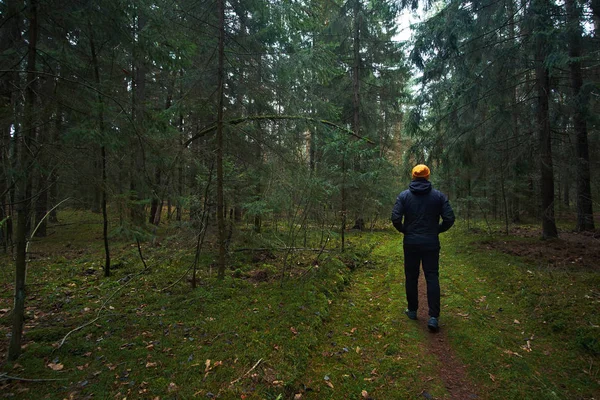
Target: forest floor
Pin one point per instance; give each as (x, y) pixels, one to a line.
(520, 320)
(572, 251)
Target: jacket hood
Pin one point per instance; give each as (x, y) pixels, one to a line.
(420, 186)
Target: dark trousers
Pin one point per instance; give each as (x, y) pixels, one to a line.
(429, 257)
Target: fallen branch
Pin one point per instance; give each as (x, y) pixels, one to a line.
(103, 306)
(247, 372)
(79, 328)
(5, 377)
(278, 249)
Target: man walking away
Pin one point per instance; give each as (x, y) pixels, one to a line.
(417, 214)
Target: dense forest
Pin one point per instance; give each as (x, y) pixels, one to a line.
(223, 115)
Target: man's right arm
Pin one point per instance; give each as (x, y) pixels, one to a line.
(397, 214)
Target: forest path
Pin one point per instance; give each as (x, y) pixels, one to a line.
(372, 350)
(452, 371)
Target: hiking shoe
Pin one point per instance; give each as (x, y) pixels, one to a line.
(433, 325)
(410, 314)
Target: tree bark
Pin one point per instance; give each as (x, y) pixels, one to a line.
(585, 212)
(595, 6)
(137, 210)
(104, 183)
(10, 38)
(56, 132)
(24, 187)
(355, 99)
(542, 80)
(356, 70)
(220, 84)
(156, 204)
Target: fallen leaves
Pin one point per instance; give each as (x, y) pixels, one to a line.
(172, 387)
(352, 331)
(527, 346)
(55, 366)
(111, 367)
(82, 367)
(209, 367)
(512, 353)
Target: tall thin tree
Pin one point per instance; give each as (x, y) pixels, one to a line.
(220, 107)
(23, 205)
(542, 82)
(585, 212)
(101, 131)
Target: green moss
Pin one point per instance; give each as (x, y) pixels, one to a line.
(339, 317)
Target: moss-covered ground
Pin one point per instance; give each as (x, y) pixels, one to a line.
(333, 328)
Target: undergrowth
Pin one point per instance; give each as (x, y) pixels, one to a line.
(525, 331)
(310, 324)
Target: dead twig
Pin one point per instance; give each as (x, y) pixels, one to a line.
(247, 372)
(40, 223)
(140, 252)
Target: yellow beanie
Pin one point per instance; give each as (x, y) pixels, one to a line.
(420, 171)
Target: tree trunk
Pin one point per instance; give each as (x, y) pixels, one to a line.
(180, 174)
(23, 187)
(43, 139)
(513, 195)
(595, 6)
(220, 84)
(104, 183)
(156, 205)
(542, 80)
(138, 172)
(96, 206)
(355, 91)
(356, 70)
(41, 205)
(343, 205)
(10, 36)
(53, 180)
(585, 212)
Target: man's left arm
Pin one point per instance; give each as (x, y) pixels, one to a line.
(447, 215)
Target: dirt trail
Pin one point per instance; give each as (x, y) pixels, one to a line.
(453, 372)
(370, 344)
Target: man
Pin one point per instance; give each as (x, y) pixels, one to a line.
(417, 214)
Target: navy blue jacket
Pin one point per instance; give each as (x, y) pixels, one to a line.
(417, 213)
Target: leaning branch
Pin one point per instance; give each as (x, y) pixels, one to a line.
(238, 121)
